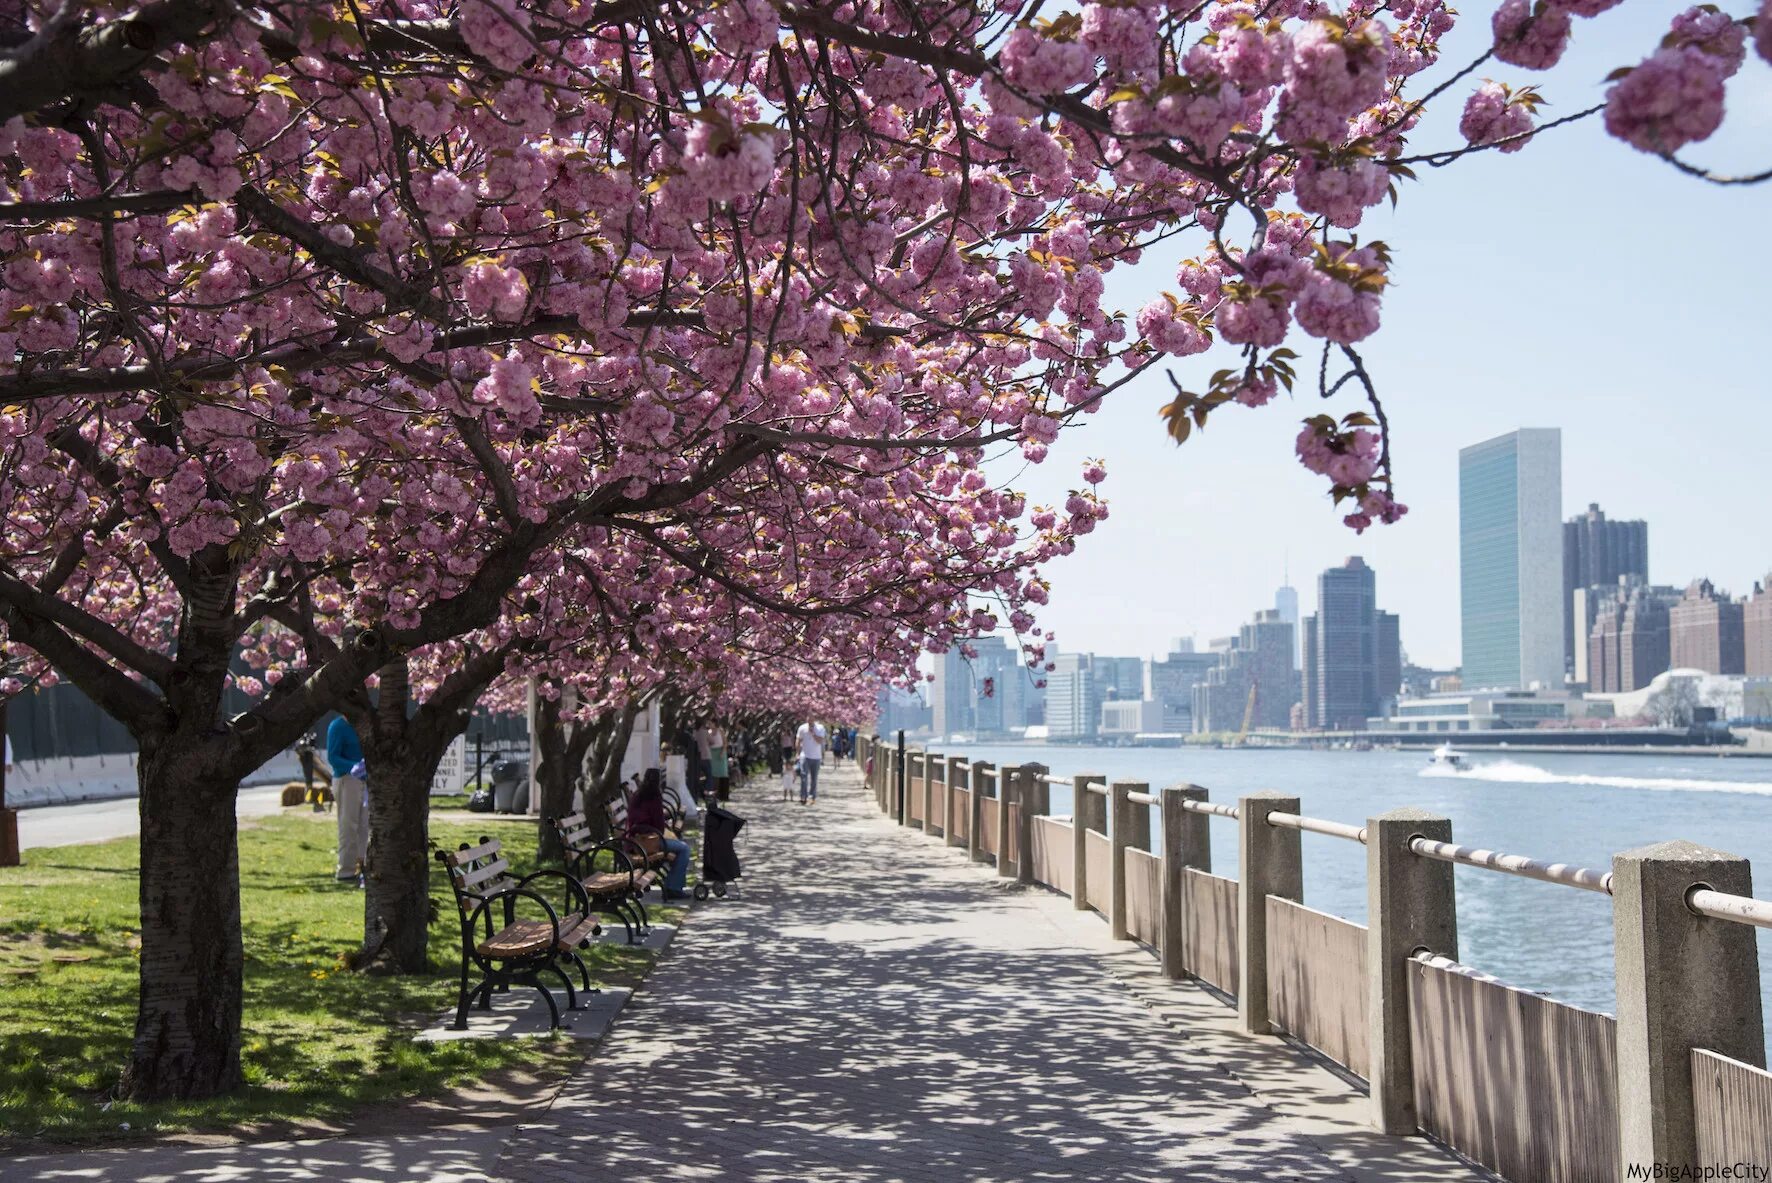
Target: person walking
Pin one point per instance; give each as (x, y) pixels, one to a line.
(810, 740)
(718, 764)
(350, 790)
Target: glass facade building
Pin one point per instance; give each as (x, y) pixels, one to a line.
(1510, 529)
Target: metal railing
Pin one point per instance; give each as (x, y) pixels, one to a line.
(1721, 905)
(1514, 864)
(1316, 825)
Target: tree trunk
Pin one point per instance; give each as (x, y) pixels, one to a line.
(402, 749)
(396, 895)
(603, 779)
(187, 1027)
(560, 750)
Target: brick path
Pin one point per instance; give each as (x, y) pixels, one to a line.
(876, 1008)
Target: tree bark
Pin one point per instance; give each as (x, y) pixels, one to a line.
(603, 778)
(402, 747)
(560, 749)
(187, 1027)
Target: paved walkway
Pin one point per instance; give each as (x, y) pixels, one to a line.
(872, 1007)
(101, 821)
(877, 1008)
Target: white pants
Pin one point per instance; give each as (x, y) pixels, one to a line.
(353, 825)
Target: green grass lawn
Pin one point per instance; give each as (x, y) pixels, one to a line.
(320, 1042)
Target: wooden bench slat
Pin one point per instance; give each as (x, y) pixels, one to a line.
(472, 878)
(472, 853)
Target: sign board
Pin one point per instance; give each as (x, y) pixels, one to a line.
(452, 769)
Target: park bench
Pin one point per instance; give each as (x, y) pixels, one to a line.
(505, 949)
(676, 820)
(613, 874)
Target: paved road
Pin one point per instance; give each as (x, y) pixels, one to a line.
(877, 1008)
(100, 821)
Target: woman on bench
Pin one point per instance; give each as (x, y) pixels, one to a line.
(646, 812)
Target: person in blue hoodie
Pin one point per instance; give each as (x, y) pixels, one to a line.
(344, 752)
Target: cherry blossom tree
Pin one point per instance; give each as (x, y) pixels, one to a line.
(367, 312)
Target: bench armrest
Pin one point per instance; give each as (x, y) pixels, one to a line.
(576, 901)
(509, 896)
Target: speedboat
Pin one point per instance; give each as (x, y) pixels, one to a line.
(1446, 756)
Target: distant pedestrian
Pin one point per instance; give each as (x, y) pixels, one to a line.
(304, 752)
(718, 763)
(350, 789)
(810, 741)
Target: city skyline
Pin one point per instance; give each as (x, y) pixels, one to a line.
(1495, 334)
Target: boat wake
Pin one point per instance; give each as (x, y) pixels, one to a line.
(1515, 773)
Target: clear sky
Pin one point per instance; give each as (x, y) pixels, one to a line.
(1576, 284)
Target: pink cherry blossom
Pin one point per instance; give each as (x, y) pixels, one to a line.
(1491, 115)
(1530, 33)
(1672, 99)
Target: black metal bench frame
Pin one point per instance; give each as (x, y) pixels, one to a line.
(482, 881)
(627, 857)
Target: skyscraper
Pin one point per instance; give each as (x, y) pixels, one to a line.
(1355, 659)
(1252, 681)
(950, 695)
(1073, 701)
(1170, 683)
(1596, 553)
(1286, 604)
(1757, 628)
(1510, 553)
(1628, 643)
(984, 695)
(1705, 631)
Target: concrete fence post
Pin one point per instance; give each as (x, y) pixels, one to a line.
(1006, 791)
(1410, 906)
(975, 813)
(931, 761)
(1684, 981)
(1187, 842)
(1031, 794)
(1088, 812)
(1269, 863)
(950, 812)
(1131, 826)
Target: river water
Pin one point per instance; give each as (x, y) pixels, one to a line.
(1578, 809)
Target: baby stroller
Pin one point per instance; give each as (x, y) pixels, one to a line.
(719, 861)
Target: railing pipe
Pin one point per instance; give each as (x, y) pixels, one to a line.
(1515, 864)
(1229, 811)
(1720, 905)
(1316, 825)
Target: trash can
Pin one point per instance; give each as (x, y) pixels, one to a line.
(510, 785)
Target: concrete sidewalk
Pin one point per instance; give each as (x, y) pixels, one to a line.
(870, 1006)
(876, 1007)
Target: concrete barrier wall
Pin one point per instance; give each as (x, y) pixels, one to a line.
(1316, 966)
(1098, 871)
(1052, 854)
(1732, 1109)
(1144, 896)
(1522, 1084)
(938, 807)
(1014, 854)
(987, 825)
(962, 814)
(1209, 925)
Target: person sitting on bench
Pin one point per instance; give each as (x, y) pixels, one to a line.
(646, 811)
